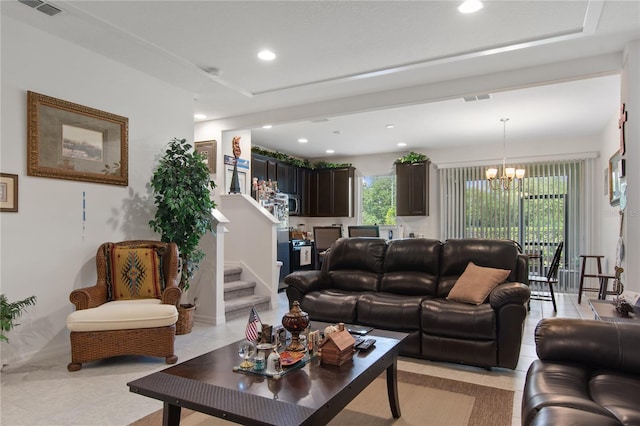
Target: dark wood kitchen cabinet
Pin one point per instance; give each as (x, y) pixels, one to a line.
(267, 168)
(412, 189)
(334, 189)
(263, 168)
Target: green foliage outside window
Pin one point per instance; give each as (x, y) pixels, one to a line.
(379, 200)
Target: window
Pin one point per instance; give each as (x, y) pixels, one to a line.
(540, 213)
(379, 200)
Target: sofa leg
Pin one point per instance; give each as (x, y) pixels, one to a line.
(74, 366)
(171, 359)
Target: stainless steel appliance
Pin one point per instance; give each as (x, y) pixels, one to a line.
(278, 204)
(294, 205)
(302, 255)
(281, 212)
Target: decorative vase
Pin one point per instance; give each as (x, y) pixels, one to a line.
(295, 321)
(185, 319)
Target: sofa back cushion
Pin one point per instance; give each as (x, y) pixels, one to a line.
(411, 267)
(355, 264)
(456, 255)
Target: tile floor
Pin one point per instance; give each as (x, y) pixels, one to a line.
(43, 392)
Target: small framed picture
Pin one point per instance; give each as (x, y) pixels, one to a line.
(8, 192)
(279, 337)
(208, 150)
(615, 173)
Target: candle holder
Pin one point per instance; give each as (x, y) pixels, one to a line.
(295, 321)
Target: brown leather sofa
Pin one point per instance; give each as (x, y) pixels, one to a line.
(588, 373)
(402, 285)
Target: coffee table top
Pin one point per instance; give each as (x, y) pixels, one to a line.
(208, 384)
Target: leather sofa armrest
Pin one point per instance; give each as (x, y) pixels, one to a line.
(599, 344)
(509, 293)
(305, 281)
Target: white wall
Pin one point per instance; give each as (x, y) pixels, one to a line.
(630, 95)
(43, 249)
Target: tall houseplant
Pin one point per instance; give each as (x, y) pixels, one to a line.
(181, 187)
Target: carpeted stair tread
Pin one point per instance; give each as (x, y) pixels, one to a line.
(237, 289)
(240, 307)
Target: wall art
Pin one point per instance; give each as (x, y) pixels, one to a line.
(208, 150)
(75, 142)
(8, 192)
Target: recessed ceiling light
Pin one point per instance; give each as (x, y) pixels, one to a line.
(267, 55)
(329, 151)
(470, 6)
(199, 116)
(402, 144)
(267, 126)
(303, 140)
(390, 126)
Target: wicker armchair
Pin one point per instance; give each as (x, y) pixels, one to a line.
(108, 323)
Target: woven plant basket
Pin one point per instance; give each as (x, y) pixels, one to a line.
(185, 319)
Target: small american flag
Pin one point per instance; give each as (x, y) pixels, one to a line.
(252, 326)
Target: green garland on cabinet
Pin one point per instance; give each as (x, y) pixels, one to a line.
(412, 157)
(297, 161)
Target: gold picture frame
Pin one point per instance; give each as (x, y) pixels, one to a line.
(208, 150)
(615, 173)
(76, 142)
(8, 192)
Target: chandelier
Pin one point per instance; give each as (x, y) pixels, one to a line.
(510, 175)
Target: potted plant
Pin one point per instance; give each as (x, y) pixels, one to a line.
(181, 186)
(10, 311)
(411, 158)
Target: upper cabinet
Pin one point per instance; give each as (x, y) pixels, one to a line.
(334, 189)
(323, 192)
(412, 193)
(267, 168)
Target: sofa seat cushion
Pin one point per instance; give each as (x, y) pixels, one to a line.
(550, 384)
(618, 393)
(331, 305)
(447, 318)
(123, 315)
(390, 311)
(558, 415)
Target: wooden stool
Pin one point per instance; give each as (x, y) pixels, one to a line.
(583, 275)
(604, 283)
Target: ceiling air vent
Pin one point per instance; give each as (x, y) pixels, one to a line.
(477, 98)
(41, 6)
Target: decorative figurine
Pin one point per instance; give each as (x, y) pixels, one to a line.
(273, 363)
(295, 321)
(246, 350)
(235, 182)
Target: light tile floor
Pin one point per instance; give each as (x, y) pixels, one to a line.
(43, 392)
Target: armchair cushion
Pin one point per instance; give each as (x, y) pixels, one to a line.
(135, 273)
(123, 315)
(475, 284)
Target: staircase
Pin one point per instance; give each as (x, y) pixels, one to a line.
(239, 295)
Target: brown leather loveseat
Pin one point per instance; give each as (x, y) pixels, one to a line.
(402, 285)
(588, 373)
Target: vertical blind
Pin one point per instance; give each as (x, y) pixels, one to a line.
(544, 209)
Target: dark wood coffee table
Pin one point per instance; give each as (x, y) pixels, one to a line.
(313, 394)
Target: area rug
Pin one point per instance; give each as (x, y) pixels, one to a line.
(424, 400)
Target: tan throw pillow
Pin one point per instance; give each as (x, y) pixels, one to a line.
(475, 284)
